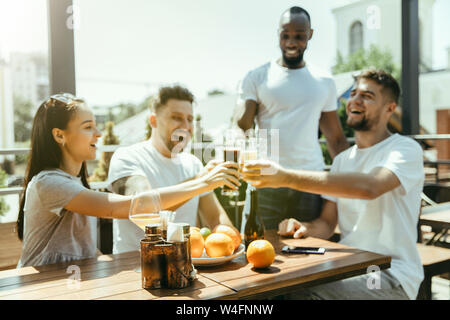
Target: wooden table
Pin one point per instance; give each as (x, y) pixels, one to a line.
(438, 220)
(113, 276)
(437, 217)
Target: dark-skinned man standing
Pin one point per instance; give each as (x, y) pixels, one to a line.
(287, 95)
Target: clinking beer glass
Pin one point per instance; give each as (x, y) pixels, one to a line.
(231, 152)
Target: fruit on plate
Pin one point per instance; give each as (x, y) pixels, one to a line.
(205, 232)
(219, 245)
(232, 232)
(197, 244)
(260, 253)
(194, 229)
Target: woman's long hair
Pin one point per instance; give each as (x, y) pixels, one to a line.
(45, 152)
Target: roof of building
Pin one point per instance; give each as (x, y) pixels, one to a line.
(216, 112)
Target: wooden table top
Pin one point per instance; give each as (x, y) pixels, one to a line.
(438, 218)
(289, 272)
(113, 276)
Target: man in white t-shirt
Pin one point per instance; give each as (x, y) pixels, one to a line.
(288, 95)
(158, 163)
(373, 192)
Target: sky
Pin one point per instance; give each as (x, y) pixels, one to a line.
(124, 49)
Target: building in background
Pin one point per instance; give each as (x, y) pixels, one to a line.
(6, 115)
(30, 77)
(366, 22)
(378, 22)
(216, 113)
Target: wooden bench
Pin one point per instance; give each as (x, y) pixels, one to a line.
(10, 246)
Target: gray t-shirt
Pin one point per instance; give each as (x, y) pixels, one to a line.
(53, 234)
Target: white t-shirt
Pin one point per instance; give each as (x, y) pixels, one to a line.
(291, 100)
(142, 159)
(388, 224)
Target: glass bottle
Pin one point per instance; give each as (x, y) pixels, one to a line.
(254, 227)
(153, 261)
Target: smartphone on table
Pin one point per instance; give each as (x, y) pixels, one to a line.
(303, 250)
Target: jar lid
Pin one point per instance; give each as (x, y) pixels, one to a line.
(153, 229)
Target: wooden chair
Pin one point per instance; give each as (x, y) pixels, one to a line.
(437, 218)
(10, 246)
(435, 261)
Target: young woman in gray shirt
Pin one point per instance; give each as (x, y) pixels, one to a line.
(56, 202)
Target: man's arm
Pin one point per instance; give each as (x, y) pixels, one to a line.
(212, 212)
(130, 185)
(332, 130)
(247, 119)
(322, 227)
(345, 185)
(352, 185)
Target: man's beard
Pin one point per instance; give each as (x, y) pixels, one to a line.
(361, 125)
(178, 141)
(293, 62)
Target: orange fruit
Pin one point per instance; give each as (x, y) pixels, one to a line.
(219, 245)
(232, 232)
(194, 229)
(260, 253)
(197, 244)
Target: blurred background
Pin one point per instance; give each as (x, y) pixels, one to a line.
(123, 51)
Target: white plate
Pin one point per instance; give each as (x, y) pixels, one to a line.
(207, 261)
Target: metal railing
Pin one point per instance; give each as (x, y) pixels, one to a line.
(112, 148)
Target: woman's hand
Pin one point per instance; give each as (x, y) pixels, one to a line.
(264, 174)
(208, 167)
(222, 174)
(292, 227)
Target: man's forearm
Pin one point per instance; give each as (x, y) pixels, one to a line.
(130, 185)
(246, 121)
(346, 185)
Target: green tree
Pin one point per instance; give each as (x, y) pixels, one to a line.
(215, 92)
(101, 172)
(362, 59)
(3, 205)
(23, 119)
(123, 111)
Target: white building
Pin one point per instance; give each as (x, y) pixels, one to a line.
(30, 78)
(216, 113)
(6, 110)
(366, 22)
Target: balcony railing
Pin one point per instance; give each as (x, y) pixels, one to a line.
(112, 148)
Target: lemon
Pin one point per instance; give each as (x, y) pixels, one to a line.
(205, 232)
